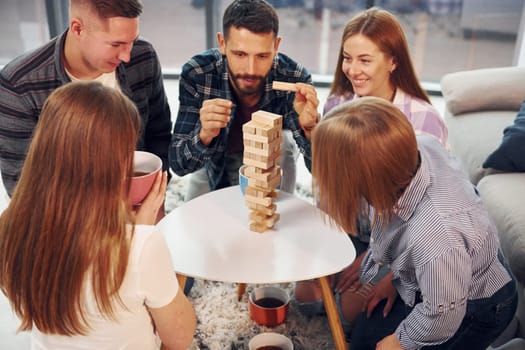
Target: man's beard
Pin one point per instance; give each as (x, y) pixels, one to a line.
(250, 91)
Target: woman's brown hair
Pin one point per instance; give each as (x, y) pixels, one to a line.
(384, 30)
(65, 229)
(364, 150)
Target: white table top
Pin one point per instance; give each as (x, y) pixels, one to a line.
(209, 238)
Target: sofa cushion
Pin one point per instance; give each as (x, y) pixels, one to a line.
(484, 89)
(503, 196)
(473, 136)
(510, 155)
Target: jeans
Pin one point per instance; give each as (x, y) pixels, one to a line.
(484, 321)
(199, 182)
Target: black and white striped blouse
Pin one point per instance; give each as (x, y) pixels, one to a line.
(441, 243)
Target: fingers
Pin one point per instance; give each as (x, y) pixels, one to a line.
(308, 93)
(388, 306)
(349, 279)
(147, 212)
(214, 115)
(371, 305)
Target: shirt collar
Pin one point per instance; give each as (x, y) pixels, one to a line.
(414, 192)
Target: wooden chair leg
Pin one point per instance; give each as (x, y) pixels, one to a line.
(241, 288)
(332, 314)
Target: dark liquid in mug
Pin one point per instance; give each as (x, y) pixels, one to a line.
(140, 173)
(269, 303)
(269, 347)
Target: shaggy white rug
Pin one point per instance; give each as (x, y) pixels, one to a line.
(224, 322)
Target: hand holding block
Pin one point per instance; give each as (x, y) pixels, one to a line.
(284, 86)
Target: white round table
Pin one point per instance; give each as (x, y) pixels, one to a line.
(209, 238)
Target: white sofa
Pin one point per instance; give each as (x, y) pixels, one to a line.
(480, 104)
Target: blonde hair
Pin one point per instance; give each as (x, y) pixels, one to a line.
(67, 220)
(364, 150)
(384, 30)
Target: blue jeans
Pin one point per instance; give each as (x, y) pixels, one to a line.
(484, 321)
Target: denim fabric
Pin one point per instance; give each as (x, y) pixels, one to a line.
(310, 309)
(484, 321)
(367, 332)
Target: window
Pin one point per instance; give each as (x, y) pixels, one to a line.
(444, 35)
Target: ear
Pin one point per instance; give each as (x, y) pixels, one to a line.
(221, 42)
(76, 26)
(277, 43)
(393, 65)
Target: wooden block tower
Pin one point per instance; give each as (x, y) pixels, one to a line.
(262, 148)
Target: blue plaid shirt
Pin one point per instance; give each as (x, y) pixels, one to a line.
(205, 76)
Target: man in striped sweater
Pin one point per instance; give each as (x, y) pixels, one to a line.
(101, 44)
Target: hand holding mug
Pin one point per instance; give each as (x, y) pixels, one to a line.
(147, 213)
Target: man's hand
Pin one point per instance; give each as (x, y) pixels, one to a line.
(305, 104)
(214, 115)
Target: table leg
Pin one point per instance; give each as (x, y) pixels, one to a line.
(332, 314)
(241, 288)
(182, 281)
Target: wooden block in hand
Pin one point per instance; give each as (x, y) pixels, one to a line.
(284, 86)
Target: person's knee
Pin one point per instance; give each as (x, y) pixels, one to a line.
(307, 291)
(308, 298)
(198, 184)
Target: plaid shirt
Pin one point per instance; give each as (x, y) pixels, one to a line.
(27, 81)
(423, 116)
(205, 76)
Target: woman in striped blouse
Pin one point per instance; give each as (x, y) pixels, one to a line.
(428, 225)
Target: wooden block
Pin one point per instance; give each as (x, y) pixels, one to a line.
(253, 144)
(259, 192)
(260, 161)
(274, 194)
(256, 216)
(249, 128)
(262, 174)
(270, 221)
(266, 201)
(267, 118)
(284, 86)
(257, 227)
(265, 149)
(268, 210)
(261, 218)
(256, 138)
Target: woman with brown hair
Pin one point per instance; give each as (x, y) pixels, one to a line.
(79, 267)
(428, 225)
(373, 60)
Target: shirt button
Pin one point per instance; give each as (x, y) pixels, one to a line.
(371, 239)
